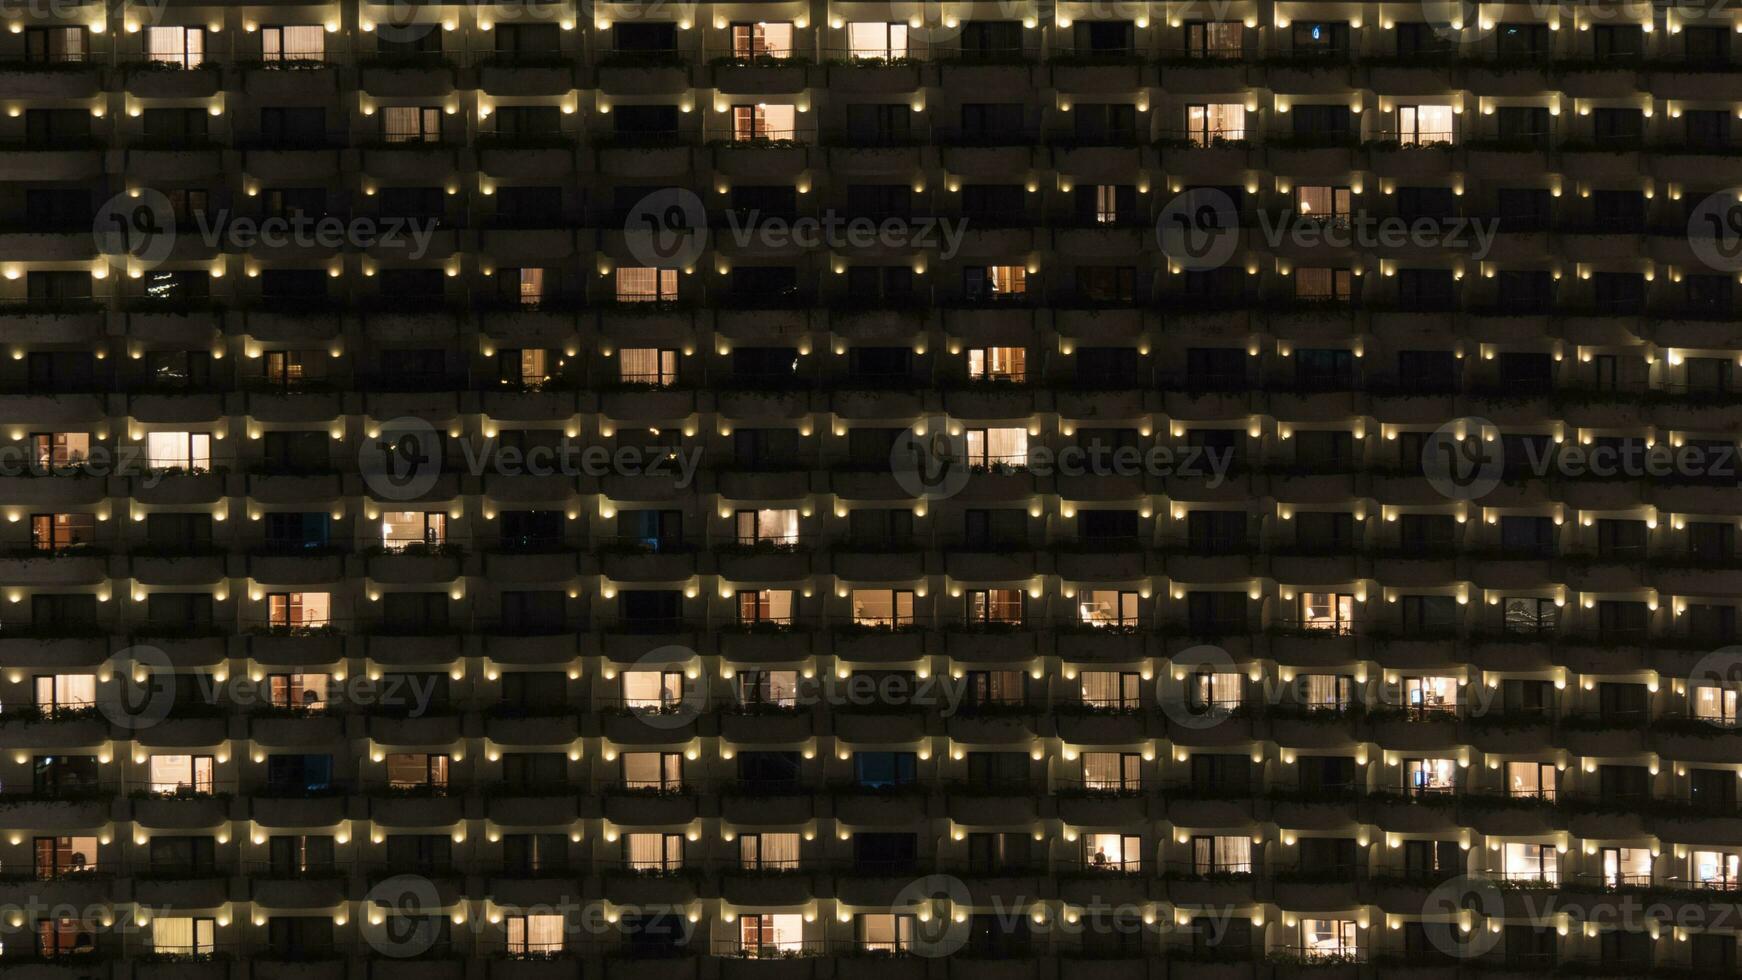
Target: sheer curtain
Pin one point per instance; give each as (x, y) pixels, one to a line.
(1233, 854)
(780, 850)
(172, 935)
(646, 850)
(1101, 770)
(535, 934)
(1101, 687)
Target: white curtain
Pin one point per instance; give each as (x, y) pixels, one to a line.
(535, 934)
(780, 850)
(172, 935)
(646, 850)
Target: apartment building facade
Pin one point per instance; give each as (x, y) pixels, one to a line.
(846, 488)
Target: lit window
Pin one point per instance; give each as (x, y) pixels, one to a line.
(1221, 855)
(58, 856)
(65, 936)
(411, 124)
(1110, 689)
(1320, 285)
(306, 692)
(1214, 39)
(771, 527)
(528, 286)
(1328, 938)
(1531, 862)
(652, 770)
(765, 606)
(1320, 203)
(304, 43)
(990, 283)
(187, 451)
(534, 935)
(1716, 705)
(1430, 695)
(652, 690)
(1216, 690)
(1207, 125)
(1108, 608)
(402, 529)
(876, 41)
(771, 934)
(417, 771)
(997, 448)
(1424, 125)
(648, 366)
(998, 364)
(528, 367)
(768, 851)
(1431, 775)
(995, 607)
(1624, 866)
(1716, 869)
(1326, 692)
(641, 285)
(1327, 611)
(770, 687)
(182, 775)
(184, 47)
(54, 449)
(299, 610)
(885, 932)
(762, 40)
(61, 532)
(65, 692)
(882, 607)
(180, 935)
(763, 122)
(1531, 780)
(649, 852)
(1113, 852)
(1112, 771)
